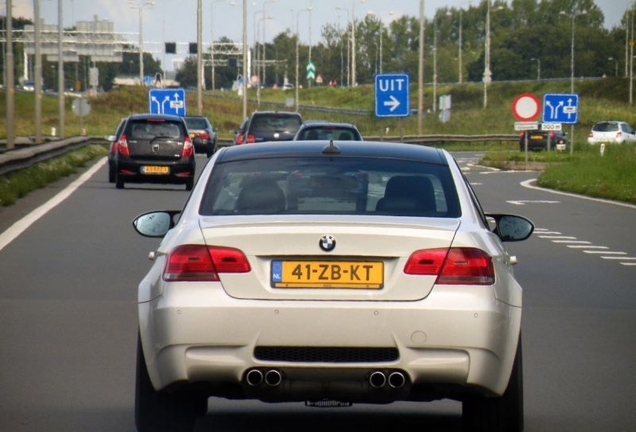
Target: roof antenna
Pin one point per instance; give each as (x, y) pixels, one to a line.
(331, 148)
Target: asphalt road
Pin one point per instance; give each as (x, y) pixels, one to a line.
(68, 315)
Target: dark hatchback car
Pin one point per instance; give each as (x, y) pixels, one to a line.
(538, 139)
(202, 134)
(323, 130)
(270, 126)
(155, 148)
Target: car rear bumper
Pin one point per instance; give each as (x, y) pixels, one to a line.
(178, 172)
(457, 338)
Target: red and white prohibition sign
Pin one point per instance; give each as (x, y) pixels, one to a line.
(526, 107)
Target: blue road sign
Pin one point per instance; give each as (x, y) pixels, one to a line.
(560, 108)
(392, 95)
(167, 101)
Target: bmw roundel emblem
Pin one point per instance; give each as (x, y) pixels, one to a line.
(327, 243)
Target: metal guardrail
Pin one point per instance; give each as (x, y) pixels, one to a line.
(26, 155)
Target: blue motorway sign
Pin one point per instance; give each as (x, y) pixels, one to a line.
(392, 95)
(560, 108)
(167, 101)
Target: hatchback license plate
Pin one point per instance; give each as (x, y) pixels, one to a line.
(328, 274)
(151, 169)
(537, 137)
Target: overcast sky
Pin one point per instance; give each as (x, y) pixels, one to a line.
(176, 20)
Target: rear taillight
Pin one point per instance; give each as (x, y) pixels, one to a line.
(203, 263)
(551, 134)
(122, 145)
(455, 266)
(188, 150)
(251, 139)
(203, 135)
(522, 134)
(240, 138)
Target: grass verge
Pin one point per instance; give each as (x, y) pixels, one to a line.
(609, 175)
(18, 184)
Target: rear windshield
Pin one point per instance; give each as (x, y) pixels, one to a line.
(348, 186)
(328, 133)
(144, 129)
(275, 123)
(196, 123)
(606, 127)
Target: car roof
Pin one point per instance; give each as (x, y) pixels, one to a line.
(375, 149)
(318, 123)
(146, 116)
(292, 113)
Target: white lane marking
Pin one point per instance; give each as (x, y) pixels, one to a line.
(557, 237)
(587, 247)
(524, 202)
(604, 252)
(528, 184)
(20, 226)
(572, 241)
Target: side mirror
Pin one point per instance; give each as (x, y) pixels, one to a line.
(155, 224)
(511, 228)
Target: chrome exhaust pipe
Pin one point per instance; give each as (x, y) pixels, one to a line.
(254, 377)
(397, 380)
(273, 378)
(377, 379)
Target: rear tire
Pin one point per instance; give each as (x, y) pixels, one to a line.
(498, 414)
(111, 174)
(189, 185)
(164, 412)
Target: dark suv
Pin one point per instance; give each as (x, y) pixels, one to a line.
(270, 126)
(155, 148)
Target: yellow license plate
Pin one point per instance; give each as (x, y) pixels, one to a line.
(155, 169)
(327, 274)
(192, 135)
(537, 137)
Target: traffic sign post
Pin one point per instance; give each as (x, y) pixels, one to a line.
(392, 95)
(167, 101)
(525, 108)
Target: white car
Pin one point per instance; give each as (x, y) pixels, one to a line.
(330, 273)
(611, 132)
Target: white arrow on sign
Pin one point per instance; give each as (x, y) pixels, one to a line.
(393, 103)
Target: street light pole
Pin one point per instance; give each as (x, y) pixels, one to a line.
(616, 63)
(213, 74)
(420, 73)
(460, 47)
(435, 64)
(263, 56)
(487, 73)
(538, 67)
(348, 47)
(574, 15)
(244, 58)
(60, 67)
(199, 57)
(140, 5)
(297, 54)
